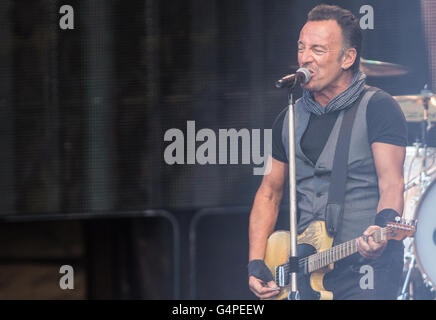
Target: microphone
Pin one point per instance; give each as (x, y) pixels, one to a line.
(301, 76)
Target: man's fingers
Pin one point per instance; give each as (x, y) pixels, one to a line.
(368, 247)
(257, 286)
(370, 230)
(262, 290)
(363, 247)
(376, 246)
(270, 290)
(273, 285)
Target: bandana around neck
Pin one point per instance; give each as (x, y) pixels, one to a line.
(341, 101)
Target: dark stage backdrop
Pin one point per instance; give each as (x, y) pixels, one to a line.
(84, 111)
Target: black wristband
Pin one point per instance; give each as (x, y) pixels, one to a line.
(258, 269)
(385, 216)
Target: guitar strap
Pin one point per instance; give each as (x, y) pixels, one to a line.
(336, 196)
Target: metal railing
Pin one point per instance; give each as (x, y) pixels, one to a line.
(193, 238)
(113, 215)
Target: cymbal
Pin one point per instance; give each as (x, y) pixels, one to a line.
(381, 69)
(413, 106)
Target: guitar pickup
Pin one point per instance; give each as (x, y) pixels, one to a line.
(282, 276)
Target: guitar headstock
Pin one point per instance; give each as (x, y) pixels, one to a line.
(399, 230)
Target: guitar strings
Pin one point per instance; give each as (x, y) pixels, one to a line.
(318, 256)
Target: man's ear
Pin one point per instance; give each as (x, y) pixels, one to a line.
(348, 58)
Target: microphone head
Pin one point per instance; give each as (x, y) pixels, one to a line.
(301, 76)
(283, 82)
(304, 74)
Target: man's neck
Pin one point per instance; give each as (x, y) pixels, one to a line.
(327, 94)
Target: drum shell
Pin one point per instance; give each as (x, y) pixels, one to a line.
(413, 165)
(424, 244)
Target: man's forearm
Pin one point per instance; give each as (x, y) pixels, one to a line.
(392, 197)
(263, 218)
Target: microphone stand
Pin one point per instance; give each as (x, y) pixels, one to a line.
(293, 257)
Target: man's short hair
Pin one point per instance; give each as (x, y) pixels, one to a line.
(349, 25)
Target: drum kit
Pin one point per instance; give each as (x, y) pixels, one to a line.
(419, 276)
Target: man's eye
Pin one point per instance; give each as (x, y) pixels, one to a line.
(318, 51)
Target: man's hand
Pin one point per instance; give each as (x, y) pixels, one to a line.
(371, 249)
(261, 289)
(260, 280)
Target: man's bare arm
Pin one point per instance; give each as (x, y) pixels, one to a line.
(265, 208)
(263, 218)
(389, 160)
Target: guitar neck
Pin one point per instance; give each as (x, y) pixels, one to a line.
(324, 258)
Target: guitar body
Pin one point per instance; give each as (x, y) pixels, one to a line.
(313, 240)
(316, 256)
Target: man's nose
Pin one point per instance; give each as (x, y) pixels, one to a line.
(305, 57)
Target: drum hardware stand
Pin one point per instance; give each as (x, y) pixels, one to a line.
(427, 282)
(410, 258)
(425, 127)
(424, 177)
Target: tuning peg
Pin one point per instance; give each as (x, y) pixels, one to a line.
(413, 222)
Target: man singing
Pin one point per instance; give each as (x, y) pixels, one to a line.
(329, 47)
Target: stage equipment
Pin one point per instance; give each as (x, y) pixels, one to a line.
(375, 68)
(303, 77)
(419, 199)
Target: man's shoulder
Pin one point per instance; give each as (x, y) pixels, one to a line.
(380, 96)
(385, 119)
(383, 104)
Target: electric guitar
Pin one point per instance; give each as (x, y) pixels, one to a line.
(317, 256)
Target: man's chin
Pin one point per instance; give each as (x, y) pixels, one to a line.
(313, 85)
(309, 87)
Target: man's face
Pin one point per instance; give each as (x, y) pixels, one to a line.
(320, 51)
